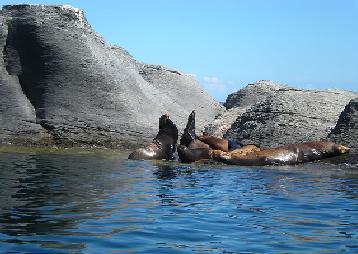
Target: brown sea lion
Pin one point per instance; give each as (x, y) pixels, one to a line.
(192, 149)
(189, 137)
(189, 132)
(189, 155)
(215, 143)
(238, 152)
(196, 144)
(222, 144)
(163, 145)
(285, 155)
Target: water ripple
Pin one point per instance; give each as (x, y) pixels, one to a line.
(92, 204)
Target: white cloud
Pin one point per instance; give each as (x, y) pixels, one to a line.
(193, 75)
(212, 80)
(214, 83)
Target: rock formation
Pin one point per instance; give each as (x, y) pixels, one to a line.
(237, 103)
(60, 82)
(270, 115)
(346, 130)
(252, 94)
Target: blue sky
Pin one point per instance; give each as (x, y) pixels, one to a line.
(229, 43)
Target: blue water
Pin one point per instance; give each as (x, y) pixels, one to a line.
(53, 203)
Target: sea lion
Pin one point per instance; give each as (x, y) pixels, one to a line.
(189, 155)
(189, 132)
(285, 155)
(222, 144)
(189, 138)
(215, 143)
(240, 151)
(192, 149)
(163, 145)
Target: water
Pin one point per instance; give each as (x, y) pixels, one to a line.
(61, 203)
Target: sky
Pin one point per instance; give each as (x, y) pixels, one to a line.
(227, 44)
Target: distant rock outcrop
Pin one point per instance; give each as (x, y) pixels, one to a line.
(346, 130)
(252, 94)
(237, 103)
(60, 82)
(269, 114)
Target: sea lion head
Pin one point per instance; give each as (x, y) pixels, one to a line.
(163, 120)
(342, 149)
(317, 150)
(167, 128)
(331, 149)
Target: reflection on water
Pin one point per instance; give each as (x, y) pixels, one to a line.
(93, 204)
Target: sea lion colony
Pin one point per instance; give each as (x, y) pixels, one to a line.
(194, 148)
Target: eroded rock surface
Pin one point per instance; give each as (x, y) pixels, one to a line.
(269, 115)
(252, 94)
(60, 82)
(346, 129)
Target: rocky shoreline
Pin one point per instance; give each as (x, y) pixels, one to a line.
(269, 115)
(61, 84)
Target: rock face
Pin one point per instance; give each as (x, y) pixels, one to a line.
(223, 121)
(252, 94)
(239, 102)
(60, 82)
(346, 130)
(280, 115)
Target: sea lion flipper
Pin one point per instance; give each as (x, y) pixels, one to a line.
(189, 132)
(163, 145)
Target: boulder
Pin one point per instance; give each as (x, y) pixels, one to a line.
(61, 83)
(269, 114)
(252, 94)
(237, 103)
(346, 129)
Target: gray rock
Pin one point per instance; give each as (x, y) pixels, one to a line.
(252, 94)
(17, 114)
(181, 90)
(237, 103)
(281, 115)
(60, 82)
(223, 121)
(346, 129)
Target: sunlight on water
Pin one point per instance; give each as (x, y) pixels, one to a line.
(63, 203)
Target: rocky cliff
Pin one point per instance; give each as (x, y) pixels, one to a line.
(346, 129)
(269, 114)
(60, 82)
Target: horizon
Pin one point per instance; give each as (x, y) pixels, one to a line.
(227, 46)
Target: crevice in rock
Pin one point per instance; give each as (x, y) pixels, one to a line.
(24, 57)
